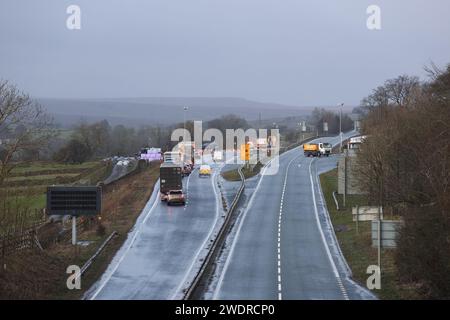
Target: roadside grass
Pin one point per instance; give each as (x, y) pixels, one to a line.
(233, 175)
(53, 166)
(42, 177)
(123, 201)
(32, 202)
(356, 243)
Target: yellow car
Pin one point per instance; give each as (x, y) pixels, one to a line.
(205, 171)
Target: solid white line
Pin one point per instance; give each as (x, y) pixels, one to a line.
(327, 249)
(155, 203)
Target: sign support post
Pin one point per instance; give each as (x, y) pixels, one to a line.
(74, 230)
(379, 239)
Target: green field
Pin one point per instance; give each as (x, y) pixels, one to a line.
(42, 177)
(53, 166)
(25, 188)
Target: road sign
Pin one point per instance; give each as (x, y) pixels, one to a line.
(304, 126)
(325, 126)
(245, 152)
(388, 230)
(74, 201)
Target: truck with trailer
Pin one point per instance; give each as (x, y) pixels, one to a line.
(170, 179)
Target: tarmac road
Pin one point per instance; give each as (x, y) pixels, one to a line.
(283, 248)
(160, 252)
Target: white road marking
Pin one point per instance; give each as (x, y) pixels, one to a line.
(324, 241)
(102, 285)
(233, 245)
(187, 189)
(208, 237)
(280, 295)
(239, 227)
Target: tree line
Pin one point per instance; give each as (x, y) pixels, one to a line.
(334, 120)
(100, 139)
(405, 165)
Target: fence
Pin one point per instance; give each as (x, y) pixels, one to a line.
(12, 243)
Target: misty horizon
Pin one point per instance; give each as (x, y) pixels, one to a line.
(292, 53)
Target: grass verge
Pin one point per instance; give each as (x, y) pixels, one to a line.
(356, 243)
(233, 175)
(35, 274)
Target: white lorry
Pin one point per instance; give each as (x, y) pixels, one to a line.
(325, 148)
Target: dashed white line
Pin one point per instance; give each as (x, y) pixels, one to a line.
(280, 295)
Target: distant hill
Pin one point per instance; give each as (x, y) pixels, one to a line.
(138, 111)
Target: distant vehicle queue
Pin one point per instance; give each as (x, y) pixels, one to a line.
(176, 165)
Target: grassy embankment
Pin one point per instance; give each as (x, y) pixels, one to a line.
(233, 175)
(123, 201)
(356, 243)
(27, 183)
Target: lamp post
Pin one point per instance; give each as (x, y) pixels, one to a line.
(184, 123)
(340, 123)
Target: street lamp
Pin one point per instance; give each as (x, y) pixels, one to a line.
(184, 123)
(340, 122)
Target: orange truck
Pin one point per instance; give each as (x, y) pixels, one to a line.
(311, 150)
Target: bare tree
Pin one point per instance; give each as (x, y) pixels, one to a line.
(23, 126)
(404, 164)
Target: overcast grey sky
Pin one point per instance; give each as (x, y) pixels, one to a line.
(313, 52)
